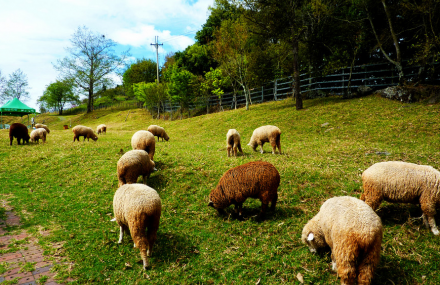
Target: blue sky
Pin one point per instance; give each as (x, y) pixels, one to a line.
(34, 34)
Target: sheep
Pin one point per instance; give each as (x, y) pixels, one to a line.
(353, 231)
(233, 142)
(256, 179)
(158, 132)
(403, 182)
(101, 129)
(144, 140)
(42, 126)
(38, 134)
(264, 134)
(137, 207)
(82, 131)
(18, 131)
(132, 164)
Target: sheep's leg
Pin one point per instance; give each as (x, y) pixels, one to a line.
(428, 209)
(229, 151)
(137, 229)
(279, 146)
(235, 150)
(334, 266)
(263, 211)
(274, 146)
(121, 234)
(274, 202)
(261, 145)
(367, 266)
(239, 210)
(431, 221)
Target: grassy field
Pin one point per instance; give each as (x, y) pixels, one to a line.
(67, 188)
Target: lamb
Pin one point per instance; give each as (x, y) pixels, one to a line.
(264, 134)
(18, 131)
(101, 129)
(256, 179)
(353, 231)
(82, 131)
(403, 182)
(233, 142)
(158, 132)
(144, 140)
(37, 126)
(138, 207)
(132, 164)
(38, 134)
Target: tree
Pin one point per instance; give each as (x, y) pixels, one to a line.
(180, 87)
(214, 83)
(57, 94)
(2, 84)
(16, 87)
(153, 95)
(143, 70)
(91, 61)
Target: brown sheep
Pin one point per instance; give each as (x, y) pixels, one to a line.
(101, 129)
(264, 134)
(233, 142)
(158, 132)
(144, 140)
(353, 231)
(133, 164)
(138, 207)
(403, 182)
(256, 179)
(42, 126)
(18, 131)
(82, 131)
(38, 134)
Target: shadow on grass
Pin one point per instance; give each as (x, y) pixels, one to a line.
(392, 214)
(395, 270)
(173, 248)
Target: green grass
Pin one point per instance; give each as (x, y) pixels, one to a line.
(67, 188)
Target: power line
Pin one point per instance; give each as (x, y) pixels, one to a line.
(157, 44)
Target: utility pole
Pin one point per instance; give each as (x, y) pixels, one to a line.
(156, 44)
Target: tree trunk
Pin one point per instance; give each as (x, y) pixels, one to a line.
(296, 77)
(90, 101)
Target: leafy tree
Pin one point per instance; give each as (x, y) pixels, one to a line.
(111, 95)
(16, 87)
(180, 87)
(196, 59)
(91, 62)
(2, 84)
(143, 70)
(153, 95)
(57, 94)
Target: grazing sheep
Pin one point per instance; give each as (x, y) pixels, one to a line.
(136, 208)
(264, 134)
(132, 164)
(256, 179)
(233, 142)
(101, 129)
(144, 140)
(158, 132)
(38, 134)
(42, 126)
(403, 182)
(353, 231)
(82, 131)
(18, 131)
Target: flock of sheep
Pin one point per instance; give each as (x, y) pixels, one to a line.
(349, 226)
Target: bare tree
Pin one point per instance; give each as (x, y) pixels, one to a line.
(91, 61)
(15, 87)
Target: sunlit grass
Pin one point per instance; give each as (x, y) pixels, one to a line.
(67, 188)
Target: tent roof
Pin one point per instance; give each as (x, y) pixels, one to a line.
(15, 107)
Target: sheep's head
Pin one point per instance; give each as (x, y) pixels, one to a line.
(253, 145)
(95, 137)
(216, 201)
(313, 236)
(166, 137)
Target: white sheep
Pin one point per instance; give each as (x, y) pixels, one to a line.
(37, 126)
(38, 134)
(403, 182)
(144, 140)
(353, 231)
(82, 131)
(101, 129)
(264, 134)
(138, 207)
(133, 164)
(233, 142)
(158, 132)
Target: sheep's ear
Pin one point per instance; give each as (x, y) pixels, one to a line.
(310, 237)
(154, 169)
(113, 220)
(211, 204)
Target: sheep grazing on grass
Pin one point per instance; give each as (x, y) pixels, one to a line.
(37, 126)
(353, 231)
(138, 207)
(256, 179)
(144, 140)
(264, 134)
(18, 131)
(233, 142)
(101, 129)
(158, 132)
(403, 182)
(82, 131)
(38, 134)
(133, 164)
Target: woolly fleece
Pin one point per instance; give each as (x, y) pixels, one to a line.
(133, 164)
(38, 134)
(101, 129)
(144, 140)
(37, 126)
(82, 131)
(233, 142)
(265, 134)
(158, 132)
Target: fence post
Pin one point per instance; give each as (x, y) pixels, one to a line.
(262, 93)
(275, 89)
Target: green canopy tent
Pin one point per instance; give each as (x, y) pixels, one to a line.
(15, 107)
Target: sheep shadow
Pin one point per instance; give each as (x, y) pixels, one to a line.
(392, 214)
(252, 212)
(395, 270)
(157, 180)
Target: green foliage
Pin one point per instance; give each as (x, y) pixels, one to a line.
(57, 94)
(180, 86)
(153, 95)
(15, 87)
(28, 267)
(143, 70)
(196, 59)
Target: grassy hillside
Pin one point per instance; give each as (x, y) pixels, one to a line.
(67, 188)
